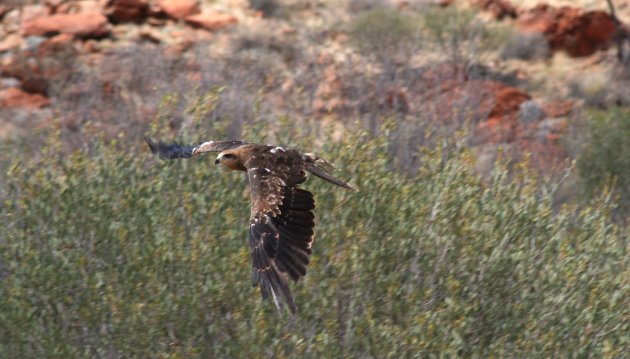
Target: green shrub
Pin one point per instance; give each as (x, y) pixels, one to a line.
(462, 35)
(606, 157)
(109, 252)
(385, 34)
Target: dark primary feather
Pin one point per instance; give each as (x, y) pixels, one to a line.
(295, 226)
(281, 229)
(170, 151)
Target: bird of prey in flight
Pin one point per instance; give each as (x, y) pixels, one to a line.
(281, 225)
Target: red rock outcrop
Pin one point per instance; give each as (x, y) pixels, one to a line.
(495, 110)
(179, 9)
(507, 101)
(17, 98)
(570, 29)
(501, 124)
(80, 25)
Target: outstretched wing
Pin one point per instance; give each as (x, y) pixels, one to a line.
(322, 168)
(280, 233)
(172, 151)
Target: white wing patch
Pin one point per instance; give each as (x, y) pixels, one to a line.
(202, 147)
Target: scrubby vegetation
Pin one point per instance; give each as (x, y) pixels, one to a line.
(109, 252)
(605, 159)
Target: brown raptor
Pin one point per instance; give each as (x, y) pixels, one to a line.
(281, 225)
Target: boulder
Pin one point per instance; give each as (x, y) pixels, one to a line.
(80, 25)
(178, 9)
(17, 98)
(570, 29)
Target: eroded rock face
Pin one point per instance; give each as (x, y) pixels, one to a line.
(82, 25)
(570, 29)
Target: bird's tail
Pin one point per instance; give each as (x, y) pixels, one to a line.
(273, 283)
(321, 168)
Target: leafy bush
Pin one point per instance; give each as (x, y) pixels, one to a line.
(606, 159)
(461, 35)
(385, 34)
(109, 252)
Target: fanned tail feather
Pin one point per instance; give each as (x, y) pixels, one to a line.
(273, 283)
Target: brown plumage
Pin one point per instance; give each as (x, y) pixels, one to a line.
(281, 229)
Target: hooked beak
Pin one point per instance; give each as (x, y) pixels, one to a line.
(217, 161)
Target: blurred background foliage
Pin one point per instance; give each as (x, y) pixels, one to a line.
(109, 252)
(605, 159)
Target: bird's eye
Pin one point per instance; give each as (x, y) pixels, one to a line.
(228, 156)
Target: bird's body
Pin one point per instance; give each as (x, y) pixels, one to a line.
(281, 229)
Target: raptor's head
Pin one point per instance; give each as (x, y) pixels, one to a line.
(230, 159)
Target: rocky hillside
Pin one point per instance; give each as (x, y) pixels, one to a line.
(516, 75)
